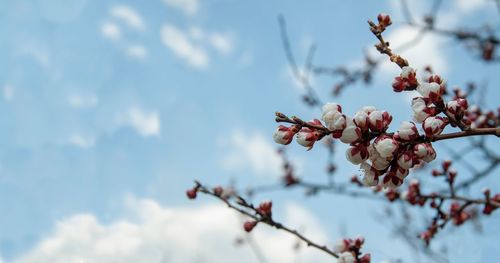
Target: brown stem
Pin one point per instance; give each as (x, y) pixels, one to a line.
(267, 220)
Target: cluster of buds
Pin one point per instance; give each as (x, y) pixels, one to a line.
(413, 195)
(378, 153)
(349, 251)
(478, 118)
(446, 171)
(428, 234)
(458, 214)
(488, 207)
(264, 211)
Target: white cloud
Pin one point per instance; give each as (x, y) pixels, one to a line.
(470, 6)
(189, 7)
(81, 101)
(128, 15)
(428, 51)
(152, 233)
(137, 51)
(222, 43)
(8, 92)
(183, 47)
(81, 141)
(111, 31)
(145, 123)
(253, 151)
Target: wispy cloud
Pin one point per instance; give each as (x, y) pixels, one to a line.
(81, 141)
(128, 15)
(180, 44)
(111, 31)
(222, 42)
(137, 51)
(189, 7)
(145, 123)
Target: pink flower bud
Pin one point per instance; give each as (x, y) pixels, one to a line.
(218, 190)
(249, 225)
(406, 81)
(379, 120)
(336, 122)
(331, 107)
(378, 162)
(265, 208)
(424, 151)
(307, 137)
(457, 106)
(341, 245)
(421, 110)
(432, 90)
(283, 135)
(406, 132)
(368, 109)
(366, 258)
(384, 20)
(386, 146)
(359, 241)
(434, 125)
(406, 160)
(346, 257)
(191, 193)
(361, 120)
(351, 132)
(370, 176)
(357, 154)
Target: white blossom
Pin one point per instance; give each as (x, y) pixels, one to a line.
(407, 131)
(386, 146)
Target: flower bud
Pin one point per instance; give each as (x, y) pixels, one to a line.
(249, 225)
(351, 132)
(379, 120)
(434, 125)
(386, 146)
(346, 257)
(384, 20)
(361, 120)
(191, 193)
(357, 154)
(406, 81)
(283, 135)
(336, 122)
(421, 110)
(331, 107)
(265, 208)
(341, 245)
(432, 90)
(457, 107)
(406, 160)
(307, 137)
(370, 176)
(406, 132)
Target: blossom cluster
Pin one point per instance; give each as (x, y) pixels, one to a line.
(349, 250)
(378, 153)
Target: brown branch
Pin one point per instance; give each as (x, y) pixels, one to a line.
(265, 220)
(280, 117)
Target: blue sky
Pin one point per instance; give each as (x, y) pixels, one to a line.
(110, 109)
